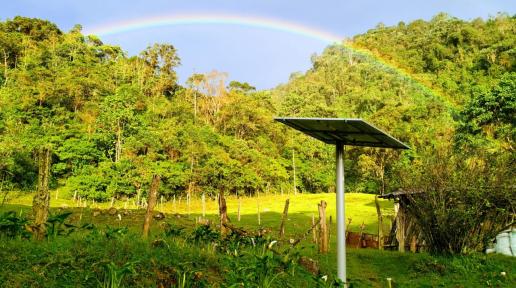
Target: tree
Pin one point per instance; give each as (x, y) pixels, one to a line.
(41, 200)
(241, 87)
(488, 118)
(117, 113)
(153, 196)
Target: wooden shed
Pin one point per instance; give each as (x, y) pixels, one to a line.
(404, 234)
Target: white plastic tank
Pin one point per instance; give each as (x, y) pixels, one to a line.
(513, 241)
(503, 243)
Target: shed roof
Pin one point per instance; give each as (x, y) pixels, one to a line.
(399, 193)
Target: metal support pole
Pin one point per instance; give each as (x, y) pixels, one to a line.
(341, 214)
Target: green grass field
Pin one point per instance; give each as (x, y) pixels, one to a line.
(87, 259)
(360, 209)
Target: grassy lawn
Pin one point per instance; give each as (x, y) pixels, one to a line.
(92, 259)
(360, 208)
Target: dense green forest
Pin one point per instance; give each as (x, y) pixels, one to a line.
(446, 87)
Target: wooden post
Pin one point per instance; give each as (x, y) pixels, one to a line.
(400, 227)
(283, 219)
(57, 194)
(323, 231)
(153, 195)
(161, 203)
(203, 199)
(174, 204)
(294, 166)
(223, 212)
(258, 209)
(188, 197)
(380, 223)
(112, 202)
(314, 229)
(239, 207)
(41, 200)
(360, 238)
(329, 232)
(413, 244)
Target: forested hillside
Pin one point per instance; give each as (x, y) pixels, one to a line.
(113, 120)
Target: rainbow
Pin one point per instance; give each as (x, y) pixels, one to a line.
(326, 37)
(217, 19)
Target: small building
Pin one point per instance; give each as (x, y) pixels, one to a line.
(404, 234)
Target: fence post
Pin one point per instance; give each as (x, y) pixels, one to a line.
(323, 232)
(314, 229)
(258, 209)
(380, 223)
(239, 207)
(283, 219)
(203, 199)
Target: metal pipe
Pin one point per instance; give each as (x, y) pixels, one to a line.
(341, 214)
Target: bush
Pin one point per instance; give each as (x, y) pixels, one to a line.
(464, 203)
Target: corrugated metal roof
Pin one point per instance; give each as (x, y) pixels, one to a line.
(352, 132)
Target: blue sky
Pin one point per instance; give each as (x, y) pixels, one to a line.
(262, 57)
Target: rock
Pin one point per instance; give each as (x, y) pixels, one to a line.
(263, 231)
(159, 243)
(96, 212)
(310, 265)
(159, 216)
(112, 211)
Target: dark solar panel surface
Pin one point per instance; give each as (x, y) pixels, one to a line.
(353, 132)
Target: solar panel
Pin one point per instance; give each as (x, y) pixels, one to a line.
(352, 132)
